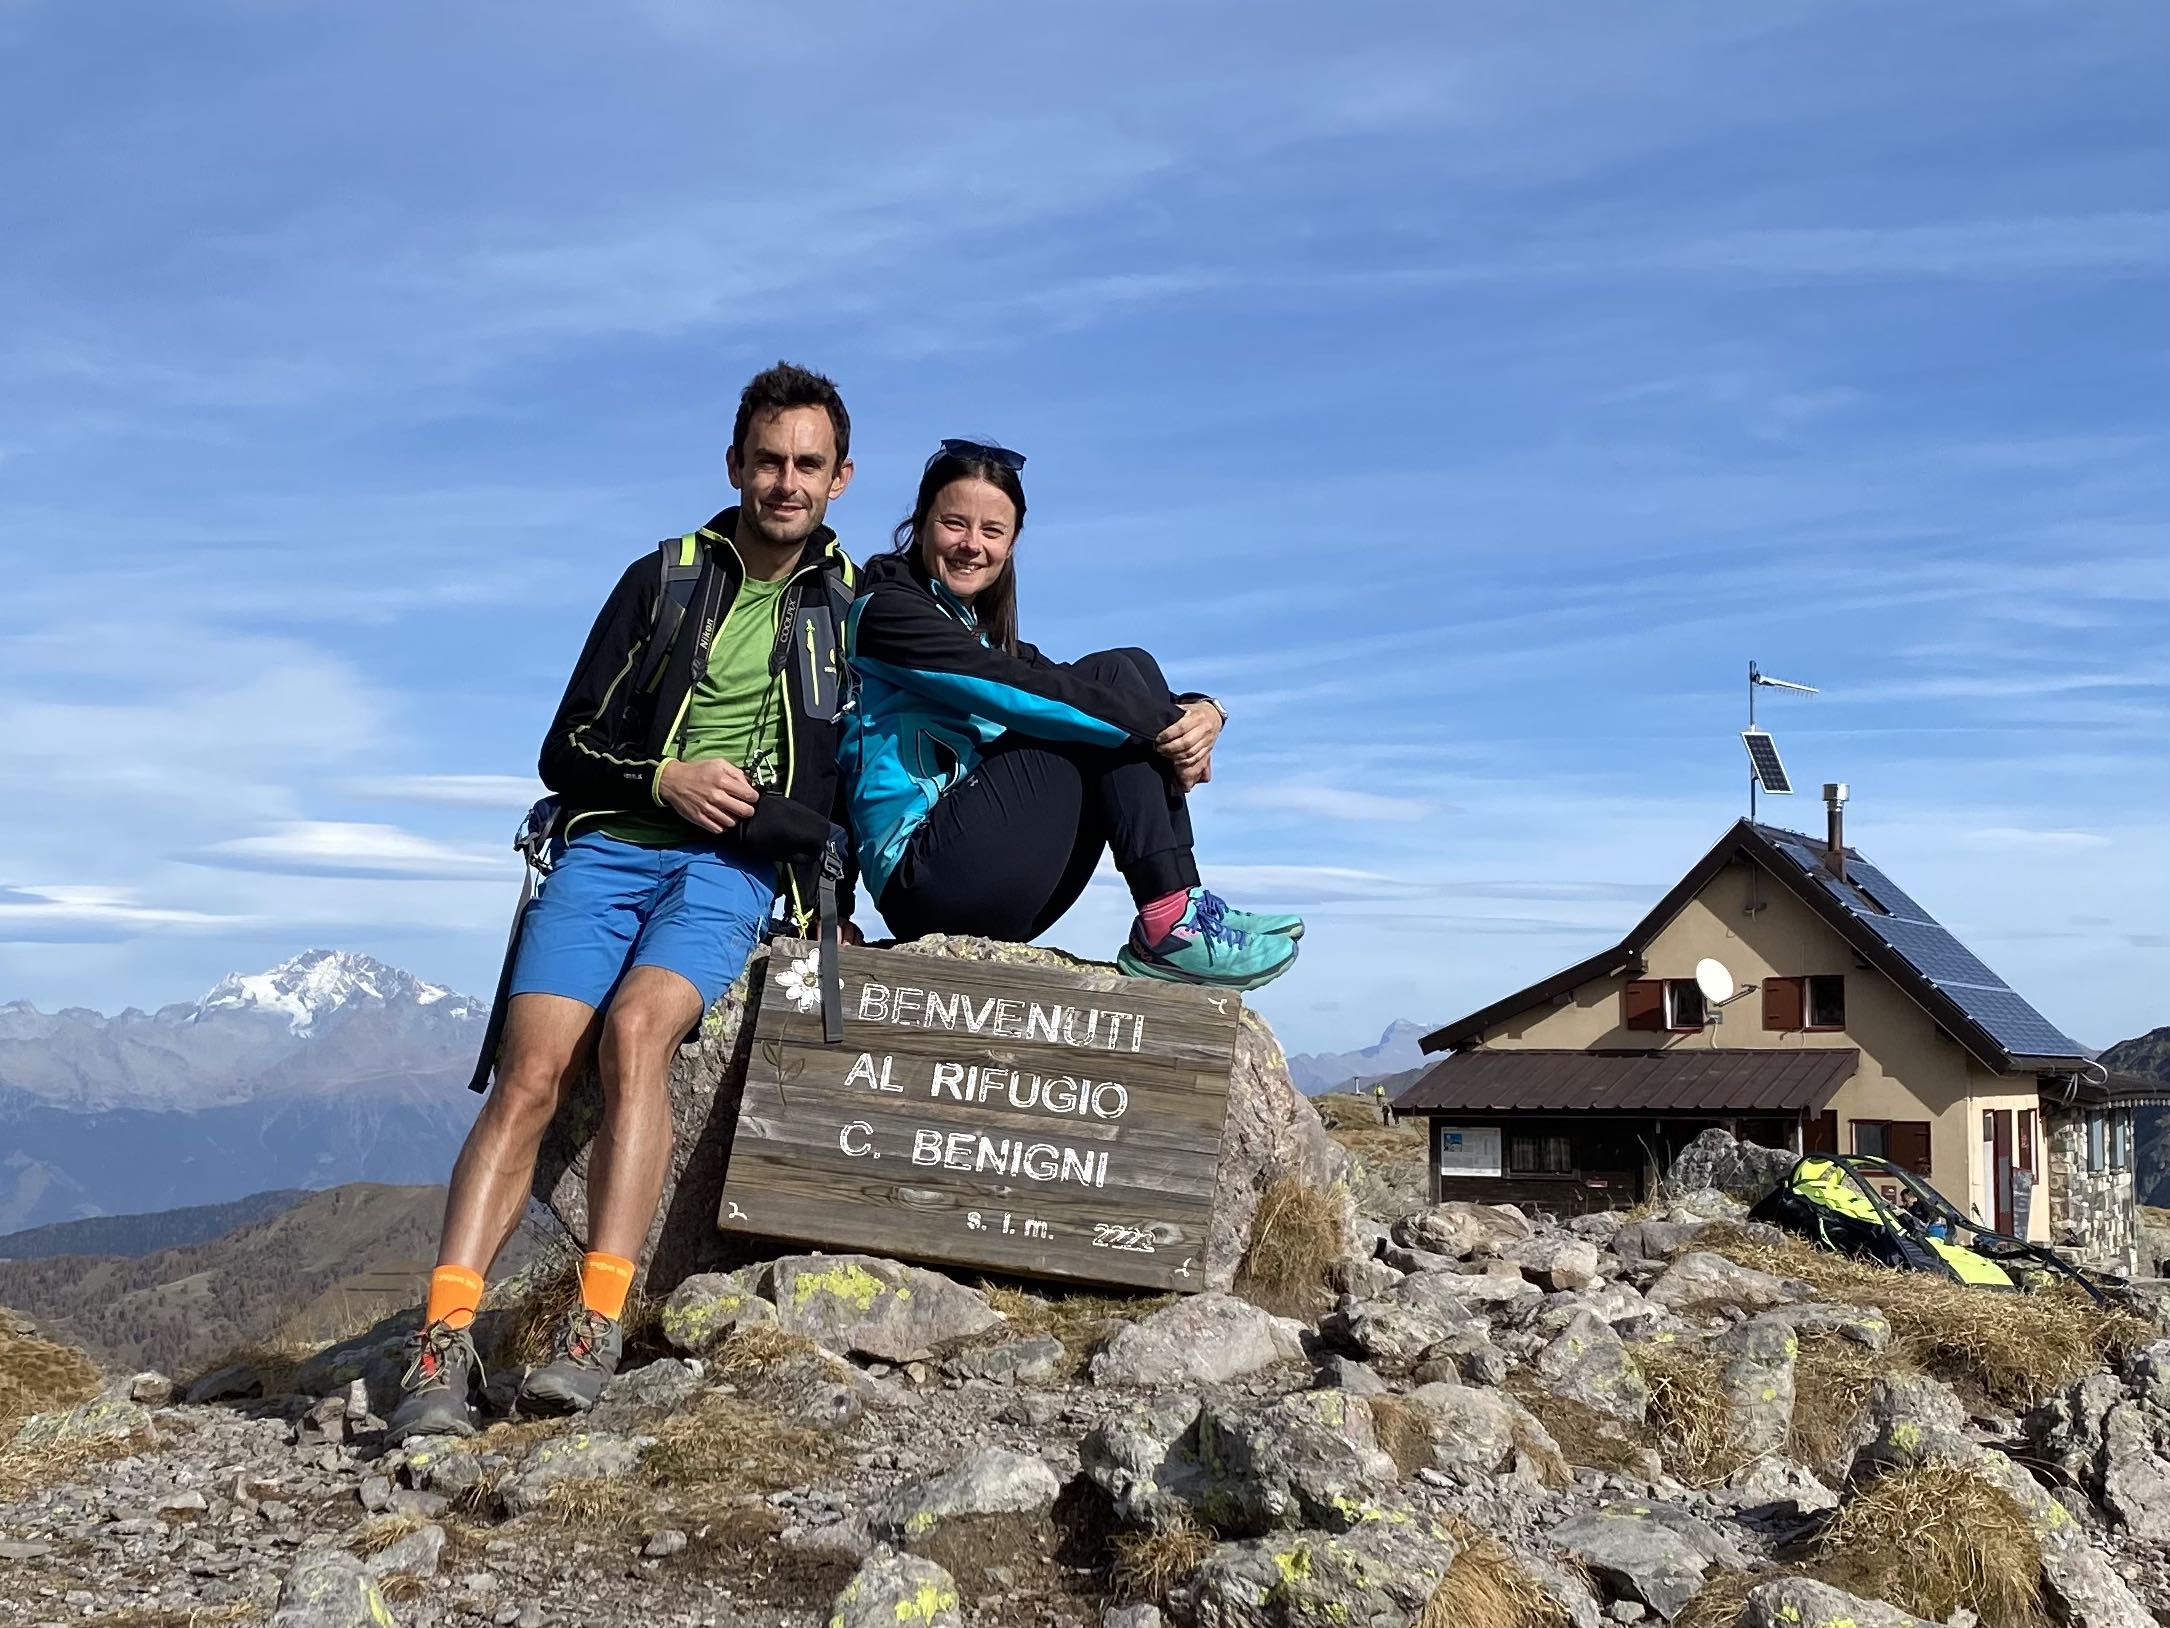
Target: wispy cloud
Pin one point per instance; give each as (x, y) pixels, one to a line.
(1327, 802)
(2014, 837)
(342, 848)
(511, 793)
(70, 913)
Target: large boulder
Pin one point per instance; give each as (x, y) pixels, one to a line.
(1700, 1279)
(1589, 1363)
(1475, 1434)
(1205, 1340)
(1271, 1131)
(1458, 1228)
(1919, 1421)
(1742, 1170)
(1378, 1573)
(993, 1481)
(866, 1306)
(1653, 1554)
(1788, 1602)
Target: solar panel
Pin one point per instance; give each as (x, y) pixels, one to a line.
(1931, 950)
(1763, 760)
(1885, 891)
(1938, 956)
(2017, 1026)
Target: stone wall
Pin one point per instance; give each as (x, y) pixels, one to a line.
(2093, 1213)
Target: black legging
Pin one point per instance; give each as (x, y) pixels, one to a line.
(1008, 849)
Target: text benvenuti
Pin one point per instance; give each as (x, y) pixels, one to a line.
(1001, 1018)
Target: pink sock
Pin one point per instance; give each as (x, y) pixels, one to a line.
(1157, 917)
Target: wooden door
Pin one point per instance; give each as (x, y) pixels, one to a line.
(2000, 1168)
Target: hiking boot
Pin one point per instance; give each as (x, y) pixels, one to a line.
(1257, 921)
(442, 1369)
(584, 1356)
(1206, 948)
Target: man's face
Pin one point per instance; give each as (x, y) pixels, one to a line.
(787, 474)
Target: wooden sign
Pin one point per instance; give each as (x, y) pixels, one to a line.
(1018, 1118)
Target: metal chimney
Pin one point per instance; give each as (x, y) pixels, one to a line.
(1834, 842)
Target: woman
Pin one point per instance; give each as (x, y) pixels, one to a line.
(987, 779)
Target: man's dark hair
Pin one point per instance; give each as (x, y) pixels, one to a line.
(788, 385)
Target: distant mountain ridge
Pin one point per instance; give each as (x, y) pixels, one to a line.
(322, 1020)
(137, 1235)
(178, 1309)
(331, 1067)
(2147, 1055)
(1396, 1051)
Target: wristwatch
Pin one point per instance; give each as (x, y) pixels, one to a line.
(1199, 695)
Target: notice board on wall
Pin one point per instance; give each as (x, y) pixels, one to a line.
(1020, 1118)
(1468, 1150)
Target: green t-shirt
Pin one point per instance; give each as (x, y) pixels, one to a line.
(736, 711)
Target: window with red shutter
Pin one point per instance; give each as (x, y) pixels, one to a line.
(1784, 1003)
(1642, 1004)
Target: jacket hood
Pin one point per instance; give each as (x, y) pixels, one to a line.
(906, 569)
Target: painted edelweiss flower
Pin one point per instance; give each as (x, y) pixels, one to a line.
(800, 982)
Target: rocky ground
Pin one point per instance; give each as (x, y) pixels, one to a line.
(1476, 1419)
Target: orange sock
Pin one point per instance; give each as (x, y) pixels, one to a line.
(454, 1293)
(605, 1281)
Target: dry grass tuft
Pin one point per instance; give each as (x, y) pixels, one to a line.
(483, 1498)
(1295, 1236)
(540, 1302)
(1935, 1540)
(374, 1537)
(759, 1347)
(1688, 1412)
(403, 1587)
(1832, 1376)
(593, 1501)
(194, 1616)
(1404, 1431)
(37, 1376)
(2013, 1350)
(727, 1446)
(1149, 1564)
(1722, 1598)
(1586, 1436)
(24, 1468)
(1487, 1587)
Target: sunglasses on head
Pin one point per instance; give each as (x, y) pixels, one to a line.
(954, 448)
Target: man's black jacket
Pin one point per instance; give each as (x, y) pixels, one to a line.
(608, 742)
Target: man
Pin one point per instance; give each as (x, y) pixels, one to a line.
(694, 749)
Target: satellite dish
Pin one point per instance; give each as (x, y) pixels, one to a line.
(1714, 981)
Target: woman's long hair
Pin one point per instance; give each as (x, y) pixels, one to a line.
(996, 605)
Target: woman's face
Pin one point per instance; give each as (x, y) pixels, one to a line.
(967, 536)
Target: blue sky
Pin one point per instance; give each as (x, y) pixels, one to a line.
(1465, 393)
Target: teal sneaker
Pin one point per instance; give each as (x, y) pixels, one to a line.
(1257, 921)
(1205, 947)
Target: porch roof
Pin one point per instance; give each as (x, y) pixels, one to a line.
(1801, 1080)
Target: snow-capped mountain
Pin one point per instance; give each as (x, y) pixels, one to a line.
(318, 982)
(331, 1067)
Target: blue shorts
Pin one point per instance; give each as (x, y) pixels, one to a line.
(608, 906)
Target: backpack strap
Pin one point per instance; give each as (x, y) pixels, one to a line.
(678, 563)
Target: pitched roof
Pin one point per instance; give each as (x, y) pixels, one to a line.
(1885, 928)
(1801, 1079)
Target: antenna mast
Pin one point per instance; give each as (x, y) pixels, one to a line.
(1765, 772)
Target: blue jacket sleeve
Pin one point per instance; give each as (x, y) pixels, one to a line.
(901, 635)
